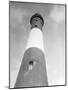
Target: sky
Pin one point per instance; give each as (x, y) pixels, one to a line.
(53, 35)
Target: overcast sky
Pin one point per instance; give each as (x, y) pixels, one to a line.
(53, 33)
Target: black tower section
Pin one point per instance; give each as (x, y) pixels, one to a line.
(35, 76)
(37, 21)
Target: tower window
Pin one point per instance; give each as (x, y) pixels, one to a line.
(35, 25)
(30, 65)
(30, 62)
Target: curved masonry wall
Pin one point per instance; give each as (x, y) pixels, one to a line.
(37, 75)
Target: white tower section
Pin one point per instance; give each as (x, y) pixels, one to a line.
(35, 39)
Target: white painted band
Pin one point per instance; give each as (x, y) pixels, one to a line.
(35, 39)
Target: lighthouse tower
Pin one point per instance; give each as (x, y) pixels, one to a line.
(33, 66)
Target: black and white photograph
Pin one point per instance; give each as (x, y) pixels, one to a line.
(37, 40)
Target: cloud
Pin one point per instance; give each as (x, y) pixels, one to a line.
(58, 13)
(17, 15)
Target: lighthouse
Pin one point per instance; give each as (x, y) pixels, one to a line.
(33, 70)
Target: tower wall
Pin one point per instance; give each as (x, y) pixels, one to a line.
(32, 74)
(35, 39)
(33, 66)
